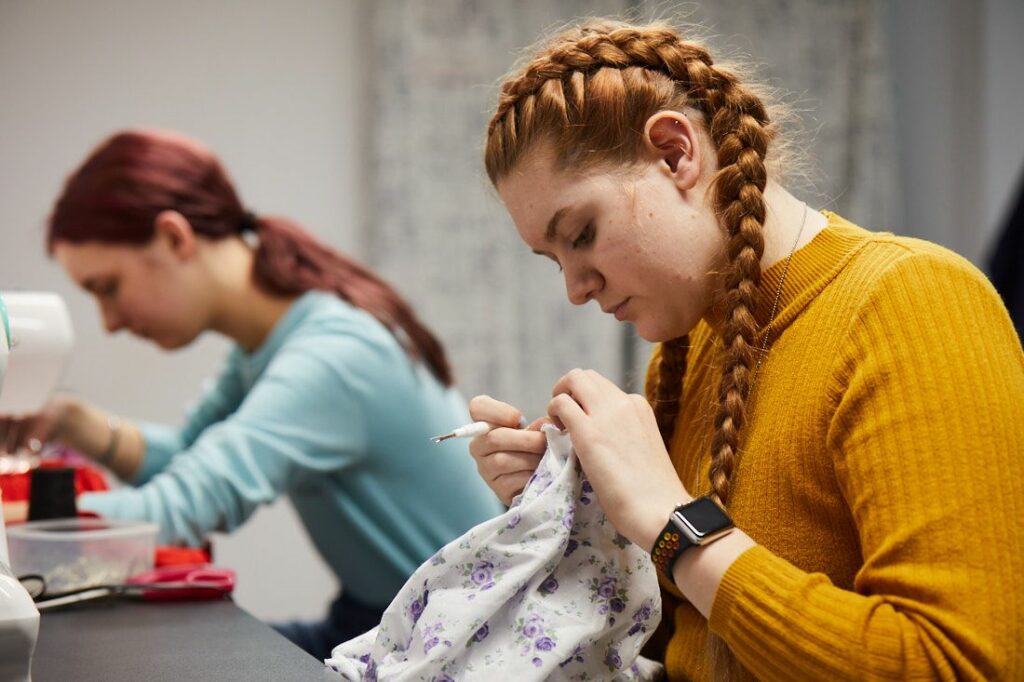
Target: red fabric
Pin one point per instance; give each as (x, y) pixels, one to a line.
(15, 487)
(181, 556)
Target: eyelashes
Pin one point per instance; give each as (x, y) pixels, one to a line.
(582, 240)
(106, 290)
(585, 237)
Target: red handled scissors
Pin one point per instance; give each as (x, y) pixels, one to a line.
(184, 582)
(160, 584)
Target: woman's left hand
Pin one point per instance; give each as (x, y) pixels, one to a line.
(617, 440)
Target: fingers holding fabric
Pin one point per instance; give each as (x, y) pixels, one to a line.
(505, 456)
(616, 437)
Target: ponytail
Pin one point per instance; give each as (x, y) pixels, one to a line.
(118, 191)
(290, 261)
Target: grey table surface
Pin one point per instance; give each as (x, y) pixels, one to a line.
(200, 640)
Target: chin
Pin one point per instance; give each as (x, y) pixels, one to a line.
(652, 335)
(170, 343)
(657, 333)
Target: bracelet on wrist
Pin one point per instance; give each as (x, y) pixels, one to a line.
(108, 456)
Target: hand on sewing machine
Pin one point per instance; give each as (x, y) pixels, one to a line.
(32, 431)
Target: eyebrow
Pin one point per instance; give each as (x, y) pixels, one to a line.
(551, 230)
(549, 233)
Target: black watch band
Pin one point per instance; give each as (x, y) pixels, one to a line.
(669, 546)
(693, 524)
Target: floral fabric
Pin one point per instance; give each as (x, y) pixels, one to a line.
(547, 590)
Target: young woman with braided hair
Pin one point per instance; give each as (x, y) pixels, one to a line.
(837, 390)
(330, 395)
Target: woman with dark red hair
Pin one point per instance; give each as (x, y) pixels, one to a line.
(330, 395)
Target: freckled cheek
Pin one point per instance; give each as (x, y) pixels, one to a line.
(649, 263)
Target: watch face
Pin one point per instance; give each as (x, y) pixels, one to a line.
(703, 517)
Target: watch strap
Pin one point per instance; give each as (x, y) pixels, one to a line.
(669, 546)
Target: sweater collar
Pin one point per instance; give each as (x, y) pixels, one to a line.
(292, 317)
(811, 268)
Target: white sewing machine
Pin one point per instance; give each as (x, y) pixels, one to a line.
(35, 338)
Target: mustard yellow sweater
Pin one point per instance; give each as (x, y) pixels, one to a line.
(881, 474)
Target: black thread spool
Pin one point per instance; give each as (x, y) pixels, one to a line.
(52, 494)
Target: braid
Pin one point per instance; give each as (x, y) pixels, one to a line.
(665, 398)
(568, 89)
(588, 93)
(738, 129)
(618, 49)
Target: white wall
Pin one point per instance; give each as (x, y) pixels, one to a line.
(273, 87)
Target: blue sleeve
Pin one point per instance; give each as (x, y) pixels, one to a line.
(219, 399)
(162, 443)
(300, 418)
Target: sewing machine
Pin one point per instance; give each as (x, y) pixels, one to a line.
(35, 338)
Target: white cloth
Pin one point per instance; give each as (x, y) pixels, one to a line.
(547, 590)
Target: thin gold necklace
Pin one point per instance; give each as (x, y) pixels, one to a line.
(761, 354)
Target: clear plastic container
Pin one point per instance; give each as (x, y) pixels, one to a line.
(80, 552)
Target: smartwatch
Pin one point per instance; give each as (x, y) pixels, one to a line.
(694, 524)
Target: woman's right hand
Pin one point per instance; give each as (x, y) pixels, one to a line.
(507, 455)
(34, 430)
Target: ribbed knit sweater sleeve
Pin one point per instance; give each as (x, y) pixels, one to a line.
(927, 436)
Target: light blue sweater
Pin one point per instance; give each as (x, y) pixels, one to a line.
(332, 411)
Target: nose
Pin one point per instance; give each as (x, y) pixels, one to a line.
(582, 284)
(112, 320)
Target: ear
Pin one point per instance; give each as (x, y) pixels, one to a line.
(175, 231)
(673, 139)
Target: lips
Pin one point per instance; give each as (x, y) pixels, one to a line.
(618, 310)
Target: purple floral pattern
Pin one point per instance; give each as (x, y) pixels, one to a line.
(482, 633)
(481, 574)
(642, 617)
(548, 590)
(549, 586)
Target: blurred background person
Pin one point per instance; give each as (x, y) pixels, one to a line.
(330, 395)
